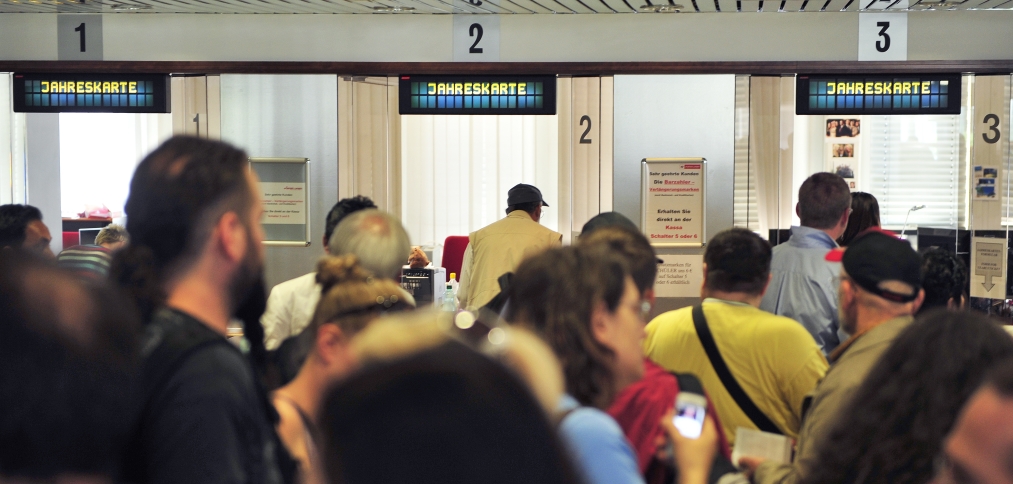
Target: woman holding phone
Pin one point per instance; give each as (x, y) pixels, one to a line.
(584, 303)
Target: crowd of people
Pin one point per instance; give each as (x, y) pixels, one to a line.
(115, 364)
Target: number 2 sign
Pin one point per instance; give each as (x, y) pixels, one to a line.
(882, 36)
(476, 38)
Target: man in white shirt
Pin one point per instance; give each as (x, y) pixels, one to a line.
(291, 304)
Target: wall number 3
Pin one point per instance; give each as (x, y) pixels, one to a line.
(993, 127)
(472, 31)
(883, 45)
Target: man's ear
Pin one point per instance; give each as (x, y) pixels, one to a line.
(770, 277)
(917, 303)
(650, 296)
(327, 249)
(232, 235)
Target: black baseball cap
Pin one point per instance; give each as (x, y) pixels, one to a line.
(524, 193)
(876, 257)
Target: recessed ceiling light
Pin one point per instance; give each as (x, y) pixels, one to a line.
(122, 7)
(393, 9)
(676, 8)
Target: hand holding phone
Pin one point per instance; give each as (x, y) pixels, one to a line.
(690, 412)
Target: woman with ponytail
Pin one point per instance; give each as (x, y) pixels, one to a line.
(351, 298)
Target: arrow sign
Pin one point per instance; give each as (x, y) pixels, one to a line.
(989, 264)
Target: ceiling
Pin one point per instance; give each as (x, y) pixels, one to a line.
(389, 7)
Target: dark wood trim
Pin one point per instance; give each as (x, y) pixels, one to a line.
(500, 68)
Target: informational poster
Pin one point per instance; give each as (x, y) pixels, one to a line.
(284, 194)
(988, 267)
(284, 203)
(843, 145)
(673, 201)
(986, 179)
(679, 276)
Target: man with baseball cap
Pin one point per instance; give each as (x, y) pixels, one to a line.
(880, 291)
(500, 247)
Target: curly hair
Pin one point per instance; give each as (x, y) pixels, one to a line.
(945, 277)
(895, 427)
(555, 293)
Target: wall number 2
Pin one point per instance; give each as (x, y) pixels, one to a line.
(883, 45)
(993, 126)
(80, 28)
(475, 31)
(584, 140)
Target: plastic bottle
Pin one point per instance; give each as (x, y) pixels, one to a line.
(449, 301)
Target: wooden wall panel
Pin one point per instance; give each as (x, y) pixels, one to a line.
(991, 97)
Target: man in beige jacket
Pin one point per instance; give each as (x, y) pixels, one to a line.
(500, 247)
(880, 290)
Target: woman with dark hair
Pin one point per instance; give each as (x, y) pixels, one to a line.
(584, 303)
(895, 426)
(864, 214)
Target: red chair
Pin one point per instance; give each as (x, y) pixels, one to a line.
(71, 239)
(453, 254)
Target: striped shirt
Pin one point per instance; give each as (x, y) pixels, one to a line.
(86, 260)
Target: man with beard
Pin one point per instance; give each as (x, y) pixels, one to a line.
(196, 251)
(880, 291)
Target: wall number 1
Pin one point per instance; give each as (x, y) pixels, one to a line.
(475, 28)
(883, 45)
(80, 28)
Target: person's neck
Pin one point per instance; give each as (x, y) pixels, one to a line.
(307, 389)
(869, 318)
(740, 297)
(202, 299)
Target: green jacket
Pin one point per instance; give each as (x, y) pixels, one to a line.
(846, 374)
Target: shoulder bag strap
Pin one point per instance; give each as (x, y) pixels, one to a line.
(727, 379)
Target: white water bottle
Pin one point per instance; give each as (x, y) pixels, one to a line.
(449, 301)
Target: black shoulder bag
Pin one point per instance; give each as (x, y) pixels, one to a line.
(727, 379)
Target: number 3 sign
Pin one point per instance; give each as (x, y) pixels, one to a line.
(476, 38)
(882, 36)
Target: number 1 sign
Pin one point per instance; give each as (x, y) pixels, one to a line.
(882, 36)
(476, 38)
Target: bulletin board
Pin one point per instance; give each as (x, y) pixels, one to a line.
(284, 193)
(673, 201)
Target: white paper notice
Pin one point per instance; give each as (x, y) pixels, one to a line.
(988, 267)
(284, 203)
(754, 443)
(673, 202)
(679, 276)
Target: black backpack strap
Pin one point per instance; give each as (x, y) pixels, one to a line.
(727, 379)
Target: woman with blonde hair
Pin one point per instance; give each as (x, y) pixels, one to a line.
(351, 298)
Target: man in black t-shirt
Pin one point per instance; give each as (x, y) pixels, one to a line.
(196, 251)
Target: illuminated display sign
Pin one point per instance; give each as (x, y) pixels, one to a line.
(907, 94)
(91, 93)
(477, 95)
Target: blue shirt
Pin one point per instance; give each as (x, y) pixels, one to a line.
(597, 444)
(803, 285)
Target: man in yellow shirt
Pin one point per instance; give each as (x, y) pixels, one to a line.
(773, 359)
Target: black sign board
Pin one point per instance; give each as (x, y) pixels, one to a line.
(900, 94)
(91, 93)
(477, 95)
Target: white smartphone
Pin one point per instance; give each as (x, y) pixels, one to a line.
(690, 412)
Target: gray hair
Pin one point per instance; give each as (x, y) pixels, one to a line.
(110, 234)
(376, 238)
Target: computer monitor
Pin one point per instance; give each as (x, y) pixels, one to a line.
(88, 236)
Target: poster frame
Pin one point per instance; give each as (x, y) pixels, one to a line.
(305, 162)
(645, 165)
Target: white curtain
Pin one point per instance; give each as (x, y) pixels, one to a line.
(98, 153)
(456, 171)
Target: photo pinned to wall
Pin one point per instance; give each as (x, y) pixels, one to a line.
(985, 182)
(843, 149)
(843, 128)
